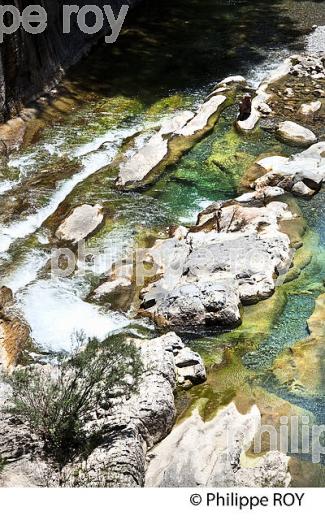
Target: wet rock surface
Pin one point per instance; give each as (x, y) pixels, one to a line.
(300, 368)
(80, 224)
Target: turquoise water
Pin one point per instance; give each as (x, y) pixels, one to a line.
(167, 59)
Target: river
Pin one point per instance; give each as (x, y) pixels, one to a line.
(167, 59)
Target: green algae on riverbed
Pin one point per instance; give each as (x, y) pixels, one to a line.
(147, 76)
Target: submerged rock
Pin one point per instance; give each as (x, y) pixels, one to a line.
(231, 257)
(300, 368)
(296, 134)
(82, 222)
(209, 454)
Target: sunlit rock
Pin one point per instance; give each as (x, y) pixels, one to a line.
(209, 454)
(309, 109)
(307, 167)
(231, 257)
(296, 134)
(82, 222)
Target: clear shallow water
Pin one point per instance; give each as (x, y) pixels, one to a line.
(166, 60)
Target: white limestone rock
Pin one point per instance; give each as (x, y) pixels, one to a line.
(296, 134)
(309, 109)
(140, 165)
(82, 222)
(307, 167)
(201, 119)
(208, 454)
(232, 257)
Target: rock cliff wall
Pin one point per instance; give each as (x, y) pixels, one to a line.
(31, 64)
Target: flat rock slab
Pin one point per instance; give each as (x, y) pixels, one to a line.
(207, 110)
(152, 153)
(176, 136)
(83, 221)
(208, 454)
(296, 134)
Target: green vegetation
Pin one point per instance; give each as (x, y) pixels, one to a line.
(2, 464)
(57, 402)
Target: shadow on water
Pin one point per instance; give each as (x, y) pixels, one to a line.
(187, 44)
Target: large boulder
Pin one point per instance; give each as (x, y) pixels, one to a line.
(203, 275)
(296, 134)
(82, 222)
(134, 426)
(126, 428)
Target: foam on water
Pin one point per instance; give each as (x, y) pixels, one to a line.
(55, 311)
(114, 247)
(6, 186)
(23, 163)
(27, 271)
(91, 163)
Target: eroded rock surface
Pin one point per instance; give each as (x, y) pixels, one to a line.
(209, 454)
(231, 257)
(126, 428)
(302, 173)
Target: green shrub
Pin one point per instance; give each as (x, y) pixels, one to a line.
(57, 402)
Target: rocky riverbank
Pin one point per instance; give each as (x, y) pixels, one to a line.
(200, 277)
(126, 428)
